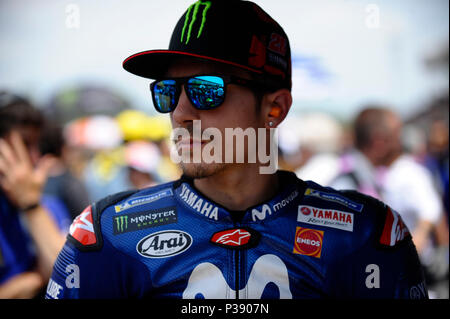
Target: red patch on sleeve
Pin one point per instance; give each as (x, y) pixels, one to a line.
(394, 229)
(82, 228)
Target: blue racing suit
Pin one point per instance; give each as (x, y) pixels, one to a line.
(17, 250)
(170, 241)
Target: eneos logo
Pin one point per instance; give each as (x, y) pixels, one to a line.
(308, 242)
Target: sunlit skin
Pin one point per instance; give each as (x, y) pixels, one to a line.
(236, 186)
(22, 170)
(30, 136)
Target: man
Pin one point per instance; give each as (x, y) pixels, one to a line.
(408, 186)
(232, 229)
(61, 183)
(398, 179)
(24, 220)
(142, 159)
(372, 147)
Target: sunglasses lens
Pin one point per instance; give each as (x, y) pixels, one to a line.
(164, 95)
(206, 92)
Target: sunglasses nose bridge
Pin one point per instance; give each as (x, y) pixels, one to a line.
(184, 110)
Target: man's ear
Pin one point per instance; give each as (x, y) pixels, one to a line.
(276, 106)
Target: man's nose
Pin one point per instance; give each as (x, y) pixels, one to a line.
(184, 112)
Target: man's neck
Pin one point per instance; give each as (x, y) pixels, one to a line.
(389, 161)
(238, 188)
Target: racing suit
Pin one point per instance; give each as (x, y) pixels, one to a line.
(170, 241)
(16, 253)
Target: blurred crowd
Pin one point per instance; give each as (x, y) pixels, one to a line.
(55, 161)
(88, 143)
(403, 162)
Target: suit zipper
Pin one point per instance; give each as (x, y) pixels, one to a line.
(236, 261)
(236, 266)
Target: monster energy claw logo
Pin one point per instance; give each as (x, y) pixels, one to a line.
(121, 223)
(145, 219)
(190, 25)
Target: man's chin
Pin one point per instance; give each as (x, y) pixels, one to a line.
(201, 170)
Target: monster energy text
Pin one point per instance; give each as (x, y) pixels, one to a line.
(189, 26)
(142, 220)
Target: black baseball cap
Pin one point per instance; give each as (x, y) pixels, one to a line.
(232, 32)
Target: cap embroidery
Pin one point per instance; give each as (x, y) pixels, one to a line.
(196, 6)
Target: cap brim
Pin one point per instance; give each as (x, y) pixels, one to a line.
(153, 64)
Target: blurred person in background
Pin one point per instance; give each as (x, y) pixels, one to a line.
(379, 166)
(127, 151)
(104, 172)
(61, 183)
(311, 144)
(138, 126)
(24, 220)
(93, 155)
(142, 159)
(357, 166)
(410, 188)
(437, 161)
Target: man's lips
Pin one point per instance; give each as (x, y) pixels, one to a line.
(191, 143)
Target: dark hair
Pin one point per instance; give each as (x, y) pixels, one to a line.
(17, 111)
(52, 139)
(370, 121)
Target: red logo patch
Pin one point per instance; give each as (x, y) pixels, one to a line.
(394, 229)
(305, 210)
(308, 242)
(235, 238)
(82, 228)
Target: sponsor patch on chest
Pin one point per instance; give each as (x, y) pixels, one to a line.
(164, 244)
(143, 220)
(236, 238)
(325, 217)
(308, 242)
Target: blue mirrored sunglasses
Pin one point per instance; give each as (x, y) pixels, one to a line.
(205, 92)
